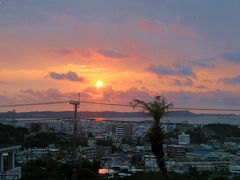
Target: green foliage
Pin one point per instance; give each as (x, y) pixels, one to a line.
(224, 130)
(192, 175)
(10, 135)
(104, 142)
(143, 176)
(236, 178)
(93, 166)
(156, 108)
(197, 136)
(221, 131)
(116, 149)
(45, 169)
(137, 160)
(42, 140)
(48, 169)
(172, 134)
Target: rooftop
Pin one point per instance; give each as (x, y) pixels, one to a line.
(10, 148)
(203, 151)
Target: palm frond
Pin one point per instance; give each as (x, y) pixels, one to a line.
(156, 108)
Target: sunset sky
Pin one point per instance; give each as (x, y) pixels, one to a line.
(187, 50)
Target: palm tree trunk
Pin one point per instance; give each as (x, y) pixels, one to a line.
(162, 167)
(156, 136)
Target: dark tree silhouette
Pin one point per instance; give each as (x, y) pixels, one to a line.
(156, 108)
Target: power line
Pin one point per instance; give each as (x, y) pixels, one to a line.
(121, 105)
(34, 104)
(174, 108)
(204, 109)
(108, 104)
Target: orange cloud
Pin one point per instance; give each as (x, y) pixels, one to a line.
(73, 52)
(108, 95)
(91, 54)
(158, 27)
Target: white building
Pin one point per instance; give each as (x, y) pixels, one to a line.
(10, 172)
(151, 162)
(183, 139)
(35, 153)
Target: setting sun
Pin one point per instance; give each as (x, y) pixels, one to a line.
(99, 83)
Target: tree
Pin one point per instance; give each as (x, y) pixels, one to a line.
(156, 108)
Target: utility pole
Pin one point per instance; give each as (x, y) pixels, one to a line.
(76, 106)
(13, 117)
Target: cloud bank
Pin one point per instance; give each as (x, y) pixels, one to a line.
(231, 81)
(71, 76)
(177, 70)
(110, 53)
(234, 57)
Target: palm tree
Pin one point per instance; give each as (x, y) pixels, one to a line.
(156, 108)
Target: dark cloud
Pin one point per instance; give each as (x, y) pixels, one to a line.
(65, 51)
(177, 70)
(201, 87)
(186, 82)
(207, 99)
(183, 69)
(235, 57)
(177, 82)
(111, 53)
(93, 94)
(108, 94)
(2, 82)
(74, 52)
(234, 80)
(4, 99)
(71, 76)
(48, 95)
(207, 62)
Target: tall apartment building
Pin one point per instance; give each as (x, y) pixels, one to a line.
(124, 131)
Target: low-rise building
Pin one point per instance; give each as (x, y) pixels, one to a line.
(35, 153)
(151, 163)
(182, 167)
(103, 150)
(198, 154)
(176, 152)
(89, 153)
